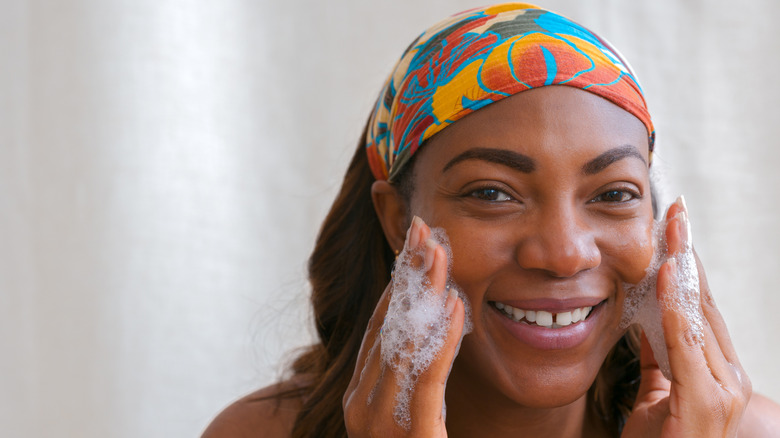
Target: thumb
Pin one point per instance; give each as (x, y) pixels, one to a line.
(651, 407)
(653, 385)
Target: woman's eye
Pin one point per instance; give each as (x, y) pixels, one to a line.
(615, 196)
(493, 195)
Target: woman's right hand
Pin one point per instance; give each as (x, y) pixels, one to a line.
(370, 399)
(709, 389)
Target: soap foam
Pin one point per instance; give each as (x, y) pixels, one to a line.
(642, 306)
(416, 325)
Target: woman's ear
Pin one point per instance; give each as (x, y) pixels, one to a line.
(392, 211)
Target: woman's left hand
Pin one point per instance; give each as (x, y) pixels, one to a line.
(709, 389)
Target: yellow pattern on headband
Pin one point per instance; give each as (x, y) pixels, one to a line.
(479, 57)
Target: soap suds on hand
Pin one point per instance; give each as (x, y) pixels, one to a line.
(642, 306)
(416, 324)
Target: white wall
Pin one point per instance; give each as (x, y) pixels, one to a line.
(165, 165)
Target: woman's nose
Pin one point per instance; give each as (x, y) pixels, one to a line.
(560, 243)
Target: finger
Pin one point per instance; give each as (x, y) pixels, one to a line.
(676, 207)
(679, 240)
(701, 354)
(714, 317)
(728, 375)
(419, 233)
(704, 383)
(695, 357)
(371, 375)
(428, 397)
(676, 232)
(366, 406)
(368, 367)
(436, 274)
(407, 377)
(424, 231)
(370, 337)
(718, 326)
(680, 305)
(682, 336)
(653, 385)
(415, 232)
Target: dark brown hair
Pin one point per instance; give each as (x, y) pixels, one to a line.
(348, 270)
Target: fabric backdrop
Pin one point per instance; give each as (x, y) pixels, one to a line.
(165, 166)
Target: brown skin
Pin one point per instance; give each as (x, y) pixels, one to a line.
(554, 232)
(558, 232)
(257, 415)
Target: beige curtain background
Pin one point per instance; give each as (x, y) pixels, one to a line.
(165, 165)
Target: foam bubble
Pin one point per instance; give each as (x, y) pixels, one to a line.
(416, 325)
(642, 306)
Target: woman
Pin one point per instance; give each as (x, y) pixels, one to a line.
(527, 139)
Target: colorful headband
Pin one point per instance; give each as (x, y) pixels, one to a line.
(479, 57)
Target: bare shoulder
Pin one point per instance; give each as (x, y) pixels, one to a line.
(761, 419)
(259, 414)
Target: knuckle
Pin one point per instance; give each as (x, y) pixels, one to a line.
(719, 408)
(431, 379)
(345, 400)
(690, 338)
(371, 323)
(728, 405)
(743, 386)
(747, 385)
(707, 299)
(739, 398)
(352, 417)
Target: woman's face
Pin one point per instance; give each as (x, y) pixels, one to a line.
(545, 197)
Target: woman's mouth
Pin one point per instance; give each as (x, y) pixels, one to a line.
(549, 324)
(544, 318)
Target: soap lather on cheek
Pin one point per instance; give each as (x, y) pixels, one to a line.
(643, 307)
(416, 324)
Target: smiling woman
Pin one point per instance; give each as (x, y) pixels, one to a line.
(527, 140)
(558, 232)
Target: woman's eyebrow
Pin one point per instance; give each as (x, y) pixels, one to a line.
(514, 160)
(601, 162)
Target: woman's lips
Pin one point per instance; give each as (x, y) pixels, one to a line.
(549, 325)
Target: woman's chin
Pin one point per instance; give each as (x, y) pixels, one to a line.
(529, 385)
(538, 376)
(551, 388)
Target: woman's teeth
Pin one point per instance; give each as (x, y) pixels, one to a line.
(544, 318)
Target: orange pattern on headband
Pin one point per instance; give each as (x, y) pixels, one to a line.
(481, 56)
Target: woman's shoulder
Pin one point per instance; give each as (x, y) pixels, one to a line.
(761, 419)
(260, 414)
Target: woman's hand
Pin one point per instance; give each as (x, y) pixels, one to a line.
(709, 389)
(370, 400)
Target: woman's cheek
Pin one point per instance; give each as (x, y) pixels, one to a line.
(477, 255)
(633, 247)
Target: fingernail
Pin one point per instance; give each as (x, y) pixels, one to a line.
(430, 253)
(685, 228)
(672, 262)
(688, 224)
(452, 297)
(414, 232)
(682, 203)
